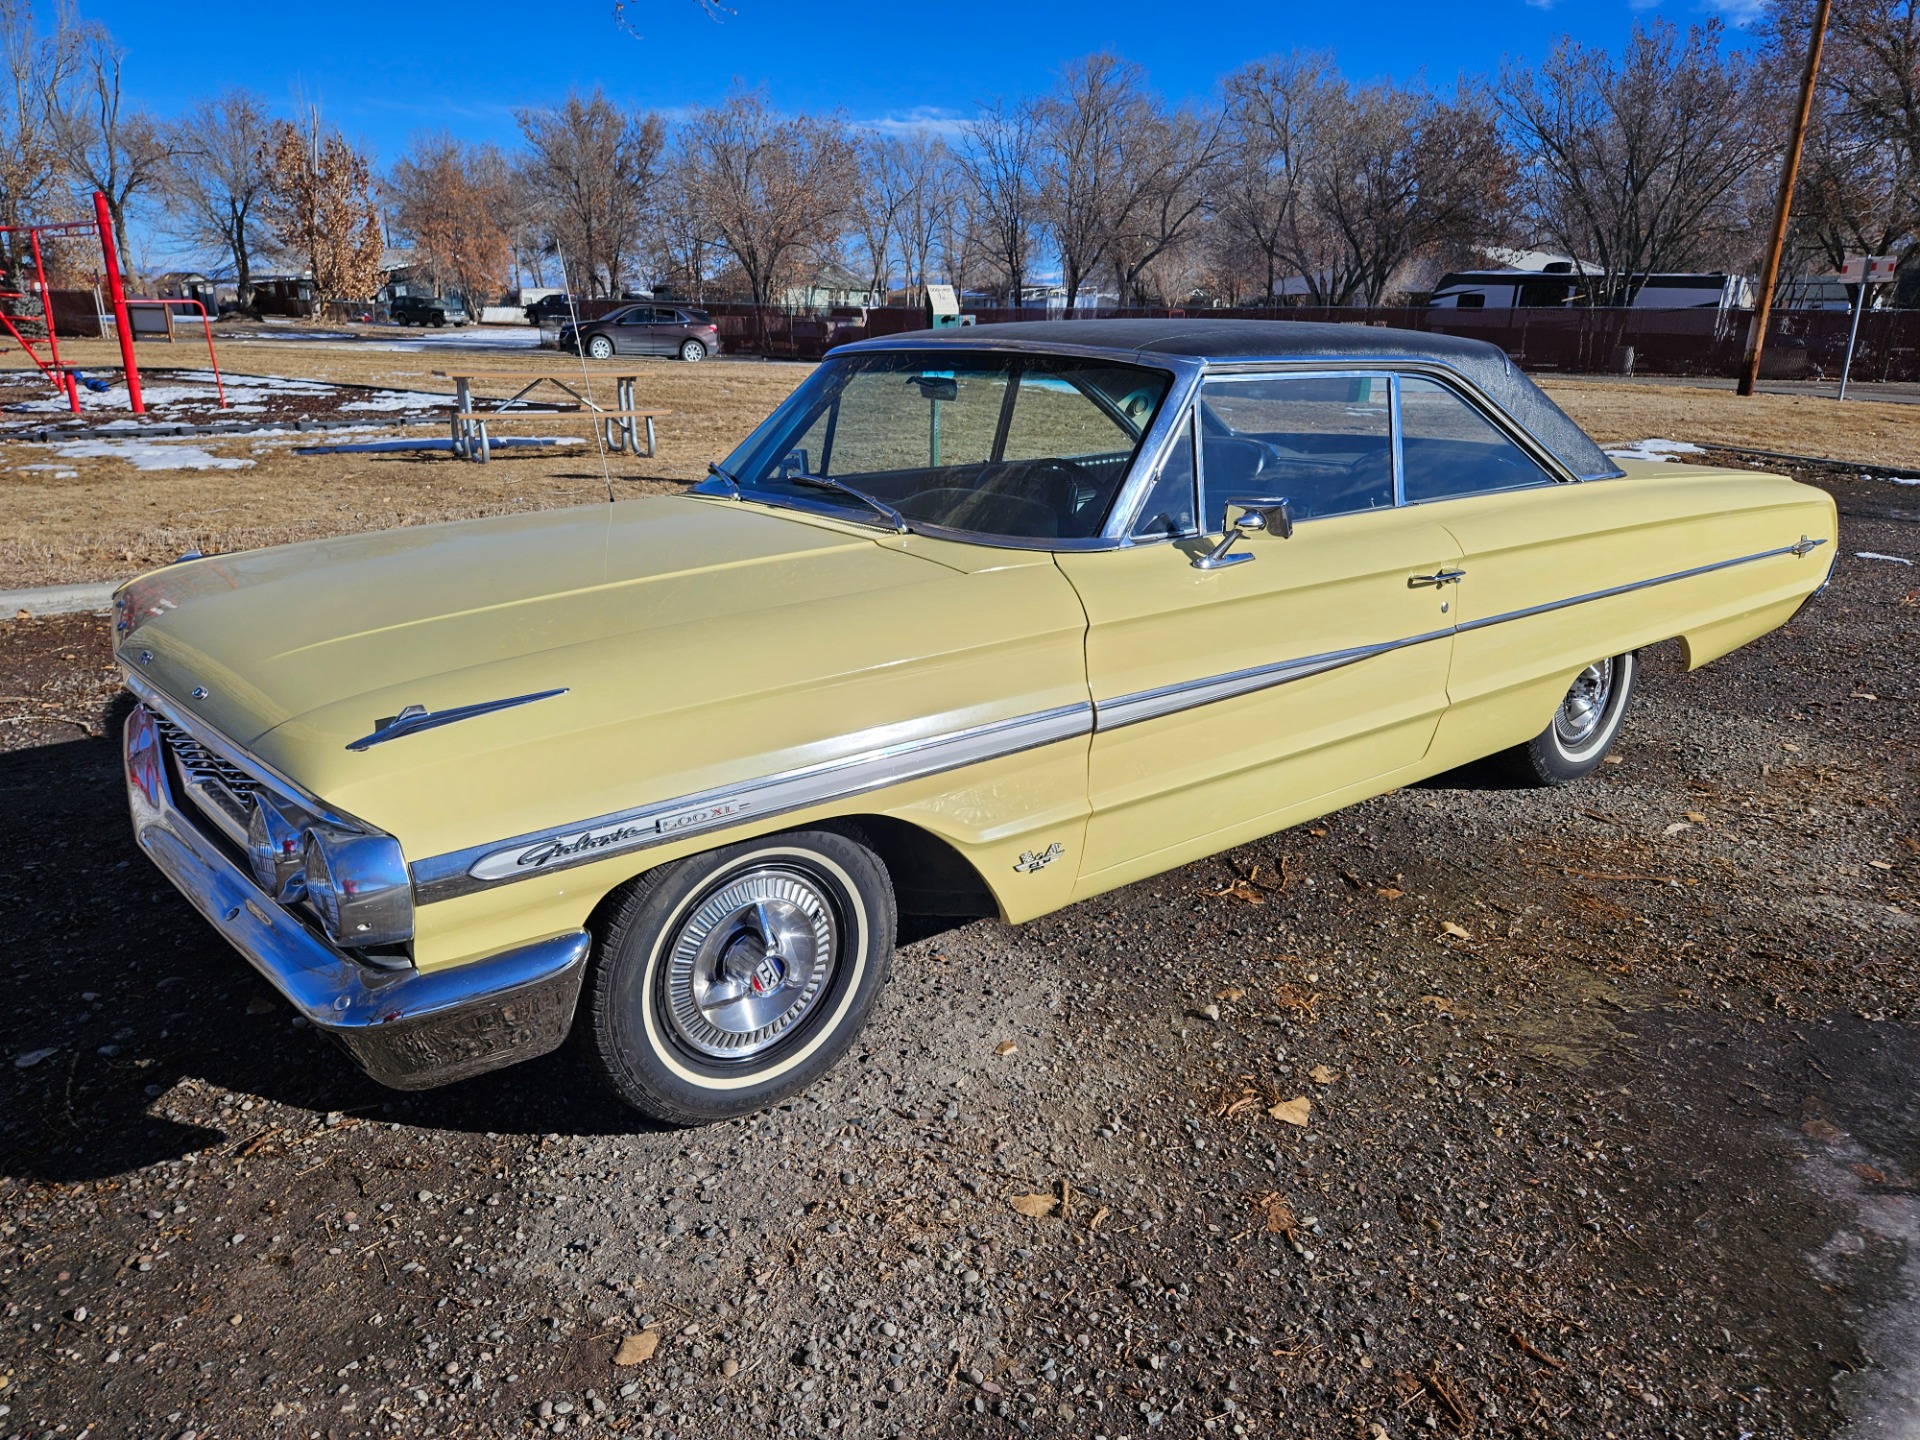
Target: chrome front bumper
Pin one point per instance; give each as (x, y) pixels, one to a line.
(408, 1029)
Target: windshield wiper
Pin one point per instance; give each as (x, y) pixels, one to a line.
(732, 484)
(827, 482)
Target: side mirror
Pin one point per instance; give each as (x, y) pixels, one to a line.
(1275, 516)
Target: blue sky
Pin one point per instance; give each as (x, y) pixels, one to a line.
(383, 71)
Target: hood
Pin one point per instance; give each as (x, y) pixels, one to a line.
(687, 634)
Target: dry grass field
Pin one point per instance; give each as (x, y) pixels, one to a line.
(102, 511)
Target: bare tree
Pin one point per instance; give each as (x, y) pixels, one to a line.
(1859, 186)
(1169, 167)
(1399, 173)
(932, 201)
(591, 170)
(771, 187)
(215, 176)
(887, 182)
(998, 161)
(685, 248)
(102, 144)
(1277, 111)
(1088, 132)
(319, 204)
(1639, 164)
(453, 201)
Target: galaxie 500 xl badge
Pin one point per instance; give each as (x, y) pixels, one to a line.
(582, 845)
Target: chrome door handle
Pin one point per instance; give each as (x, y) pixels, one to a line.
(1437, 579)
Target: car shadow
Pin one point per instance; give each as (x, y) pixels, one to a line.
(120, 995)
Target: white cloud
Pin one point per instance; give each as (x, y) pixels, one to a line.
(921, 120)
(1739, 12)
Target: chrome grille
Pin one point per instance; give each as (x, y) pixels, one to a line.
(222, 790)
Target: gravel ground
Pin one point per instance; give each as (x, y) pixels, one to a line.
(1466, 1111)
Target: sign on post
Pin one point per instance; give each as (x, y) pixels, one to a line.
(1860, 271)
(1868, 269)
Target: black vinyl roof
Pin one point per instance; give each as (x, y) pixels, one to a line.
(1484, 366)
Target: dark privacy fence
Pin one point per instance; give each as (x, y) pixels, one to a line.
(1801, 344)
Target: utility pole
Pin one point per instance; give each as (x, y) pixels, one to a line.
(1789, 176)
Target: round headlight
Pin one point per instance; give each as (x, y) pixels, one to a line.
(276, 850)
(359, 887)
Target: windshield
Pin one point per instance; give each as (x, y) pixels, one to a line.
(1027, 447)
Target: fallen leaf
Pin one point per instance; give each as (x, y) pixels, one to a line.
(1316, 832)
(1790, 747)
(1696, 817)
(1881, 864)
(1872, 1174)
(637, 1349)
(1821, 1129)
(1232, 992)
(1005, 1047)
(1323, 1075)
(1863, 695)
(1675, 828)
(1293, 1000)
(1239, 890)
(1387, 892)
(23, 614)
(1292, 1112)
(1615, 760)
(1099, 1218)
(1459, 932)
(1034, 1207)
(1278, 1214)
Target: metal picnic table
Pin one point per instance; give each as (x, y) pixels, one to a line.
(617, 425)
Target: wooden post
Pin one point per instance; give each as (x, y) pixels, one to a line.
(1789, 177)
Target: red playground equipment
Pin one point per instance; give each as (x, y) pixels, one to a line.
(61, 375)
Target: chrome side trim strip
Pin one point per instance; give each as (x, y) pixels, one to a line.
(1629, 588)
(1167, 699)
(499, 862)
(416, 718)
(1188, 694)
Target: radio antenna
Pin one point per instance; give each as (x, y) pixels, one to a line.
(586, 378)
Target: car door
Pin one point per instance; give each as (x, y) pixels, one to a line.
(667, 330)
(1558, 574)
(632, 331)
(1234, 701)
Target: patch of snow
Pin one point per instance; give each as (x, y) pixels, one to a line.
(151, 454)
(1876, 555)
(1661, 450)
(1898, 479)
(1882, 1400)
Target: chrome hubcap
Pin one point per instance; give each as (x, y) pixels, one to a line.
(1585, 707)
(750, 963)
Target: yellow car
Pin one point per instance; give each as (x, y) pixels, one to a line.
(982, 622)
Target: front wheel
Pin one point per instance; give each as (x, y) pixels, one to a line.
(728, 981)
(600, 348)
(1584, 726)
(692, 351)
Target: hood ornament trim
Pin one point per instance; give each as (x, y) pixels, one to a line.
(415, 718)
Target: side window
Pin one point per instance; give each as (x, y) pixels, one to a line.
(1324, 443)
(1169, 505)
(1449, 448)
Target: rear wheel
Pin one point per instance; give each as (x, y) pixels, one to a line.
(1584, 726)
(692, 351)
(725, 982)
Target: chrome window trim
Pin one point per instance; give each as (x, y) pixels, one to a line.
(443, 877)
(1399, 446)
(1185, 372)
(1432, 370)
(876, 767)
